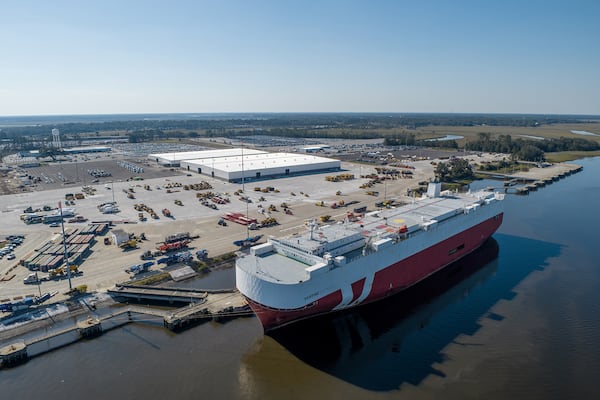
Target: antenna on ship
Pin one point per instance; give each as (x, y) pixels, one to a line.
(368, 245)
(312, 225)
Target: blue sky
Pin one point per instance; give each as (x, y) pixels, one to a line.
(127, 56)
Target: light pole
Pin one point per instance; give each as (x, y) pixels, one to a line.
(243, 187)
(244, 190)
(62, 225)
(38, 284)
(385, 189)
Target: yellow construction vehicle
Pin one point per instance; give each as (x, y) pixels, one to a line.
(81, 289)
(130, 244)
(325, 218)
(61, 271)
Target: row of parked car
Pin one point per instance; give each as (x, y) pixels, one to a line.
(13, 242)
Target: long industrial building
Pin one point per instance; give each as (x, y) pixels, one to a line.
(174, 159)
(231, 166)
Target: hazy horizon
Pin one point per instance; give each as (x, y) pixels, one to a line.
(57, 119)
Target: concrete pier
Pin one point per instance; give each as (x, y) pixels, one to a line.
(13, 354)
(547, 174)
(182, 295)
(89, 328)
(534, 179)
(218, 306)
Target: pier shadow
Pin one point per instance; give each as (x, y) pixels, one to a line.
(398, 340)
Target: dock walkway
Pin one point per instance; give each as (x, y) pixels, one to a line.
(217, 306)
(159, 293)
(551, 172)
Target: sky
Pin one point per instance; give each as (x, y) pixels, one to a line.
(130, 56)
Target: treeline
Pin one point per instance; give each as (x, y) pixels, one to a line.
(444, 144)
(529, 150)
(287, 124)
(297, 133)
(400, 139)
(149, 135)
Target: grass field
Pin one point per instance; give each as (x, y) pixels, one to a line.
(554, 131)
(570, 155)
(545, 131)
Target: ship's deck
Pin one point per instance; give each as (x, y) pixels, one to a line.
(277, 267)
(414, 214)
(385, 222)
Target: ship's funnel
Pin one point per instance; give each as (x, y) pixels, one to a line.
(433, 189)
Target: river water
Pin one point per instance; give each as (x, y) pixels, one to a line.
(519, 318)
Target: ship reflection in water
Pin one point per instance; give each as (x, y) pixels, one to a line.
(399, 340)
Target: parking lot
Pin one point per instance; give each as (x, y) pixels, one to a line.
(107, 169)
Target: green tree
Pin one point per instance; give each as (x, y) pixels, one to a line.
(454, 169)
(530, 153)
(442, 171)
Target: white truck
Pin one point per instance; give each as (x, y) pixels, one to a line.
(31, 278)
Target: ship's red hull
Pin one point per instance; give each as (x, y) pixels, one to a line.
(389, 280)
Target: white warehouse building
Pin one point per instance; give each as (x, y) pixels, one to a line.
(260, 166)
(174, 159)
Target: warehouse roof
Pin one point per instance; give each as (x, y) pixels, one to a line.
(197, 155)
(260, 161)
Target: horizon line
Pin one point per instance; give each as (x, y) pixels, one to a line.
(301, 112)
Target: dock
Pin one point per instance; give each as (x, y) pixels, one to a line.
(533, 179)
(217, 305)
(181, 295)
(547, 174)
(202, 304)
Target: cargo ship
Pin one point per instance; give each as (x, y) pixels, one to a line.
(364, 258)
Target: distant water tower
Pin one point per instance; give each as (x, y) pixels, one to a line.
(56, 138)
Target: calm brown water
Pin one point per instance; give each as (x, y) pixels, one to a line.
(520, 319)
